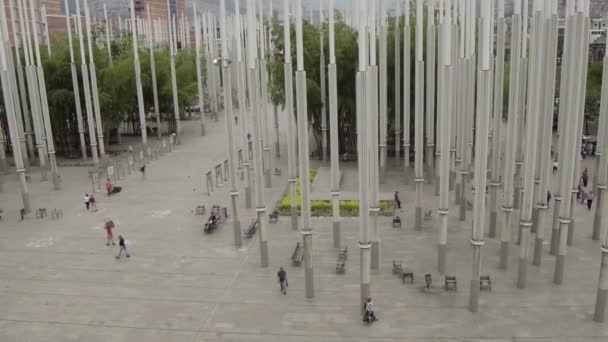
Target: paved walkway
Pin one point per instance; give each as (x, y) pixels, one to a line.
(60, 282)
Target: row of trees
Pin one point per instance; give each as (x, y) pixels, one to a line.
(116, 86)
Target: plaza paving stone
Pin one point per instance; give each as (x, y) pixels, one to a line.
(60, 282)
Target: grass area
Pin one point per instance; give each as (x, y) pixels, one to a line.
(324, 207)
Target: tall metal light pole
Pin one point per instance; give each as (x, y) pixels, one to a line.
(483, 114)
(32, 84)
(512, 127)
(137, 66)
(265, 134)
(383, 92)
(578, 21)
(333, 129)
(93, 74)
(363, 153)
(75, 86)
(20, 107)
(499, 71)
(323, 81)
(291, 129)
(87, 88)
(172, 51)
(243, 109)
(371, 121)
(151, 46)
(9, 98)
(602, 152)
(533, 111)
(20, 42)
(446, 86)
(546, 131)
(227, 84)
(45, 105)
(397, 63)
(419, 109)
(407, 69)
(252, 84)
(304, 160)
(430, 88)
(199, 81)
(107, 25)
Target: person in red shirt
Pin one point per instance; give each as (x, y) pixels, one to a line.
(109, 226)
(108, 186)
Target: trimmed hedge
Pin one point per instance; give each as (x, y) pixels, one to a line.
(324, 207)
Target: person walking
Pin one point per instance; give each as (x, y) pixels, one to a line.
(109, 225)
(585, 177)
(122, 247)
(282, 275)
(87, 201)
(142, 169)
(397, 200)
(92, 203)
(555, 164)
(369, 315)
(548, 197)
(589, 200)
(109, 186)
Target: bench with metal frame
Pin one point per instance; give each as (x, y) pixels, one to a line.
(397, 222)
(298, 255)
(250, 231)
(485, 282)
(342, 256)
(428, 215)
(41, 213)
(428, 280)
(56, 213)
(199, 210)
(450, 283)
(273, 217)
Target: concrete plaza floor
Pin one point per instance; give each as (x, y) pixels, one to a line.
(60, 282)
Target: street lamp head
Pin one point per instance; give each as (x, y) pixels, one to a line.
(226, 61)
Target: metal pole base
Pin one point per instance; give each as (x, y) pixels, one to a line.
(308, 272)
(268, 179)
(597, 219)
(418, 219)
(538, 251)
(436, 188)
(558, 276)
(534, 219)
(294, 217)
(517, 198)
(571, 230)
(492, 228)
(336, 230)
(248, 197)
(462, 210)
(474, 295)
(522, 273)
(504, 255)
(441, 258)
(375, 255)
(263, 243)
(600, 305)
(236, 224)
(203, 129)
(457, 194)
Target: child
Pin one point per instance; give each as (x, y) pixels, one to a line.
(109, 226)
(92, 203)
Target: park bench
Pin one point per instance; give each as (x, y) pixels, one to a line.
(298, 255)
(277, 171)
(41, 213)
(253, 227)
(407, 274)
(56, 213)
(273, 217)
(450, 283)
(428, 281)
(397, 222)
(485, 282)
(428, 215)
(342, 256)
(199, 210)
